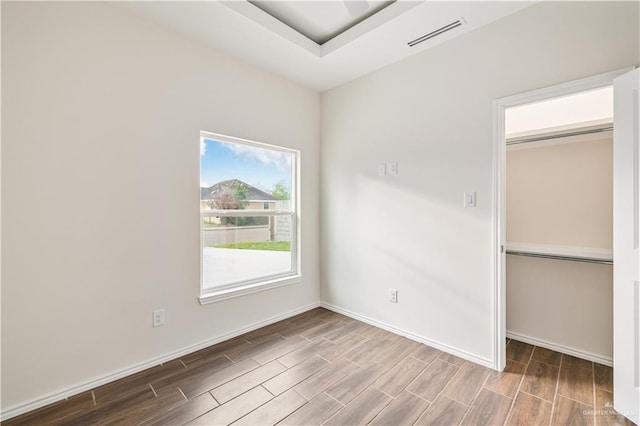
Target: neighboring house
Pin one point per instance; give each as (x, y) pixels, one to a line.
(256, 199)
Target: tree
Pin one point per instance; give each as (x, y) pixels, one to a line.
(281, 190)
(233, 199)
(240, 192)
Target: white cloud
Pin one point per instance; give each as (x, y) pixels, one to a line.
(204, 184)
(203, 147)
(264, 156)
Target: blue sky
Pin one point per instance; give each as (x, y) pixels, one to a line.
(259, 167)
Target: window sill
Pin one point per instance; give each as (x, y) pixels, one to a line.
(216, 296)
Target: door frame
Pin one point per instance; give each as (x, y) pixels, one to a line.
(499, 193)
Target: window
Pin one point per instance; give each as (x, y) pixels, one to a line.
(248, 217)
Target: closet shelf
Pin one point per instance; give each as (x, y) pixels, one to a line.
(575, 254)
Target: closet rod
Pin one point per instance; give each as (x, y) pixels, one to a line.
(559, 257)
(558, 136)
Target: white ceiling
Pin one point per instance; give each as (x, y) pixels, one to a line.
(321, 21)
(250, 34)
(565, 112)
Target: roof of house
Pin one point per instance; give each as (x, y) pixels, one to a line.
(228, 186)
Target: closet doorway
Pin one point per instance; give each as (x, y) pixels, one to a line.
(559, 224)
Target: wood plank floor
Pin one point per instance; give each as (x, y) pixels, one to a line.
(324, 368)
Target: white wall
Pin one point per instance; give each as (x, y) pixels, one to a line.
(102, 114)
(561, 194)
(563, 305)
(433, 113)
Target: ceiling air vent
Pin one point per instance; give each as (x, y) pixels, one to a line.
(437, 32)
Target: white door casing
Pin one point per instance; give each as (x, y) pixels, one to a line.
(499, 190)
(626, 241)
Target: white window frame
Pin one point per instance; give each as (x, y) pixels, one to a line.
(293, 276)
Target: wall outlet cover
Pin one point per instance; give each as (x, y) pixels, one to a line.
(158, 318)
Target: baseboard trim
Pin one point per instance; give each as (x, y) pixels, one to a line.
(75, 390)
(561, 348)
(409, 335)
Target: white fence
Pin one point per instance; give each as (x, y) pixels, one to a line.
(277, 229)
(235, 234)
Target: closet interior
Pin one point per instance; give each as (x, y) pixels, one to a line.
(559, 226)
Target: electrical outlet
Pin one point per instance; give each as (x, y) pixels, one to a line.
(158, 318)
(393, 295)
(382, 169)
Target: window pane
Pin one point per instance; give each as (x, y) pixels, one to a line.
(244, 249)
(245, 174)
(248, 247)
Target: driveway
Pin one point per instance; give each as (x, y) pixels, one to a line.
(222, 266)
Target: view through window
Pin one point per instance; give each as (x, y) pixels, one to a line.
(248, 214)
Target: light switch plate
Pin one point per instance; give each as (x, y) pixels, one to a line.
(469, 199)
(392, 168)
